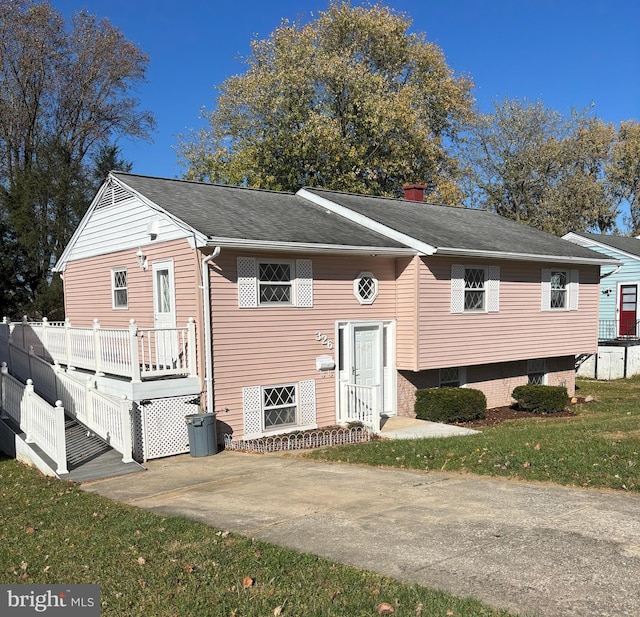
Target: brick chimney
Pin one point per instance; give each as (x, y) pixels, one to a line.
(414, 192)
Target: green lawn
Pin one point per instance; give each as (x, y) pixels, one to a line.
(597, 448)
(148, 565)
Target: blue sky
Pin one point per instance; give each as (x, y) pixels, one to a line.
(566, 53)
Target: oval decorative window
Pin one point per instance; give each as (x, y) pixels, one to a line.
(365, 288)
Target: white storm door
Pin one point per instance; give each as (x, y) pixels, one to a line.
(164, 314)
(367, 355)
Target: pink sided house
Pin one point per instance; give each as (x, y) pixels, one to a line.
(318, 307)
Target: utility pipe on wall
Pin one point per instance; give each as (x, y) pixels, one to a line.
(208, 330)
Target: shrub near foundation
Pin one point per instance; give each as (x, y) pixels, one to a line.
(541, 399)
(450, 404)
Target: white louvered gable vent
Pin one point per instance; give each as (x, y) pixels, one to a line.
(114, 194)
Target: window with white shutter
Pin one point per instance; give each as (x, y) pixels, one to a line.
(475, 289)
(274, 282)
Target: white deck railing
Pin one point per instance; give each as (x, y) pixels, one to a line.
(362, 404)
(135, 353)
(107, 416)
(42, 423)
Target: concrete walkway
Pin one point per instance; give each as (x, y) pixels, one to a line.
(401, 427)
(541, 550)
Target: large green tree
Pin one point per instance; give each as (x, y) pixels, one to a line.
(351, 100)
(623, 172)
(530, 163)
(65, 96)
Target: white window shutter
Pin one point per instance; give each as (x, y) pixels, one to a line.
(457, 288)
(252, 410)
(308, 402)
(546, 290)
(493, 289)
(247, 283)
(304, 283)
(573, 290)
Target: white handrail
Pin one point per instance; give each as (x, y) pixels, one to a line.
(362, 404)
(132, 352)
(41, 422)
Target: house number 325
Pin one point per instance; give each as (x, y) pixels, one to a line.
(324, 340)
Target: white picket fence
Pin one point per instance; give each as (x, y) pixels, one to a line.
(361, 404)
(135, 353)
(42, 423)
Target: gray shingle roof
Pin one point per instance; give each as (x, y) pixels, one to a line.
(628, 244)
(238, 213)
(249, 214)
(452, 227)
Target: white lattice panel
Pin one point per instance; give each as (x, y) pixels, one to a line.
(304, 276)
(252, 408)
(164, 431)
(247, 283)
(308, 402)
(457, 288)
(493, 285)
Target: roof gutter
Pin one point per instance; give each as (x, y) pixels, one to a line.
(456, 252)
(614, 271)
(308, 247)
(208, 329)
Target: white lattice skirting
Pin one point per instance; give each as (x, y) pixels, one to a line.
(301, 441)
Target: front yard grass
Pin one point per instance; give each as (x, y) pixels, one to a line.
(147, 565)
(598, 447)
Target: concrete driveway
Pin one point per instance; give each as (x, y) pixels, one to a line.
(537, 549)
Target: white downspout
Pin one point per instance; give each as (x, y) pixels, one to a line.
(208, 334)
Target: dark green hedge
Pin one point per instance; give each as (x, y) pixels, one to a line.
(450, 404)
(541, 399)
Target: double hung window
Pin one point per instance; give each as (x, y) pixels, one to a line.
(119, 288)
(475, 289)
(274, 282)
(560, 290)
(280, 406)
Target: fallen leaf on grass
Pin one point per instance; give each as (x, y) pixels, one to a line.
(247, 582)
(384, 608)
(141, 560)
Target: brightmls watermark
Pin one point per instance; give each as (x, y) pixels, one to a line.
(50, 600)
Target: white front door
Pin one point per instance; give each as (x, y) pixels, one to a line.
(164, 314)
(364, 368)
(367, 357)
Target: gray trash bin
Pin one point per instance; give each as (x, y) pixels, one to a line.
(203, 439)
